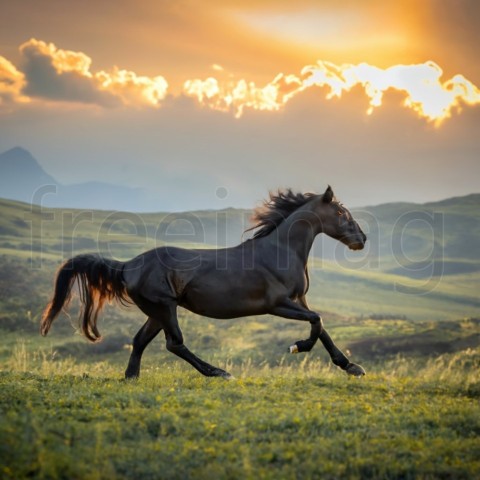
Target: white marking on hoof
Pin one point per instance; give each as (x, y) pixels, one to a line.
(293, 349)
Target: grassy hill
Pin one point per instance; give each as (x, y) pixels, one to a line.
(67, 413)
(421, 261)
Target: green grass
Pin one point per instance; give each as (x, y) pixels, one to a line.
(311, 421)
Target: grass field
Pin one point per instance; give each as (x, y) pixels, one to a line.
(308, 421)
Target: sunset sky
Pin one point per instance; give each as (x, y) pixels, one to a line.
(379, 99)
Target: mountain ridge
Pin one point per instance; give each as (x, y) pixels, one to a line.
(22, 178)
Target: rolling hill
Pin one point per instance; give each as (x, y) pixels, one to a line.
(422, 261)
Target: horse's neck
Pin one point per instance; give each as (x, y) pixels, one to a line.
(298, 232)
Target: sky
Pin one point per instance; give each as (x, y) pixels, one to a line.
(211, 104)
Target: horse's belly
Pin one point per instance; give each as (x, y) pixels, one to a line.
(223, 311)
(221, 302)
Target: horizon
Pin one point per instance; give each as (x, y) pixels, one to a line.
(186, 101)
(228, 207)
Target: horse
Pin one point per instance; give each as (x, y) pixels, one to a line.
(265, 274)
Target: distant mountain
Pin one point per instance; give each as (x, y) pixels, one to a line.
(21, 175)
(23, 179)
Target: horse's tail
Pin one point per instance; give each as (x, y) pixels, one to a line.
(99, 279)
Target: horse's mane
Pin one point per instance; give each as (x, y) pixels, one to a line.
(276, 209)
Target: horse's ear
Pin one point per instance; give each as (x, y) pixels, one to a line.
(328, 195)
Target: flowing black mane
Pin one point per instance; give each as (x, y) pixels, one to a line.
(274, 211)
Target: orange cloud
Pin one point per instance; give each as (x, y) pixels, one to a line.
(237, 95)
(62, 60)
(48, 72)
(133, 89)
(424, 91)
(11, 83)
(65, 75)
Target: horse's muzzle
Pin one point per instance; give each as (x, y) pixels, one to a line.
(358, 241)
(356, 246)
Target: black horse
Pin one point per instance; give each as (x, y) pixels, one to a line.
(263, 275)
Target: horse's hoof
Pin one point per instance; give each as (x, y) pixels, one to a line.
(293, 349)
(218, 372)
(355, 370)
(131, 375)
(223, 374)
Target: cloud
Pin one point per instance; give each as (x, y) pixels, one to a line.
(55, 74)
(11, 83)
(421, 84)
(237, 95)
(51, 73)
(64, 75)
(133, 89)
(424, 91)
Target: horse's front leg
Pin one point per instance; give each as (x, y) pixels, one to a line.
(315, 331)
(290, 309)
(299, 311)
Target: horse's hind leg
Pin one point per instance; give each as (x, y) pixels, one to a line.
(175, 344)
(145, 335)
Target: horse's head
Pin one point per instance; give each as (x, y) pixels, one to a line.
(338, 223)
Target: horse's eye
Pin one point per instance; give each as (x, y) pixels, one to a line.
(339, 212)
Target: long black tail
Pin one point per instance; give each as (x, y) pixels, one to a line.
(99, 279)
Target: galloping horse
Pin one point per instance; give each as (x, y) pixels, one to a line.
(266, 274)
